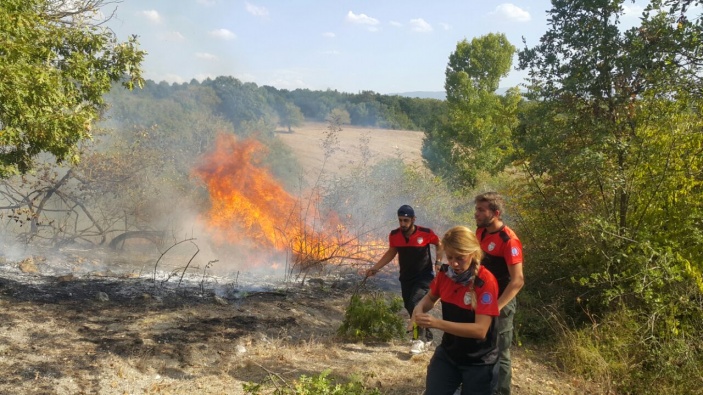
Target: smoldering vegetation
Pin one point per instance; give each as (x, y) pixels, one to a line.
(185, 185)
(190, 253)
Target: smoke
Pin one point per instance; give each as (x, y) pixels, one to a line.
(252, 213)
(220, 214)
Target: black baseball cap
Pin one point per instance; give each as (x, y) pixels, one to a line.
(406, 211)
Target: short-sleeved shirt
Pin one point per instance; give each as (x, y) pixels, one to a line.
(456, 307)
(414, 256)
(500, 249)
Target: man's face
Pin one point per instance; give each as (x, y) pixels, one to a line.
(484, 215)
(406, 223)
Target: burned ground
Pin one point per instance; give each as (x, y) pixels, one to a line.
(110, 333)
(57, 335)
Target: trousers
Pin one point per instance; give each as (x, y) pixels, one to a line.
(444, 376)
(504, 325)
(413, 292)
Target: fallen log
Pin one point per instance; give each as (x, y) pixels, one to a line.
(156, 237)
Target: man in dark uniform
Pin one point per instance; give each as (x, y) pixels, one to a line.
(503, 257)
(412, 245)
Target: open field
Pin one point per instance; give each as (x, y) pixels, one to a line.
(306, 143)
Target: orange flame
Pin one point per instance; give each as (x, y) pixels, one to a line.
(246, 203)
(249, 205)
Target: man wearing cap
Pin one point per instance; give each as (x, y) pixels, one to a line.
(412, 245)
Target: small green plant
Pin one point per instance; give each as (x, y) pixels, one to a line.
(252, 388)
(318, 385)
(373, 316)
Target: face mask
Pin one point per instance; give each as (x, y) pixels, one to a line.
(463, 278)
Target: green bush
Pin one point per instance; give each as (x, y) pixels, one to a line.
(318, 385)
(623, 307)
(373, 316)
(620, 353)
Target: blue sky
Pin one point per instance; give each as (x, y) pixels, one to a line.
(387, 46)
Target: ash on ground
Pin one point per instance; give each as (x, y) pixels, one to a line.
(73, 274)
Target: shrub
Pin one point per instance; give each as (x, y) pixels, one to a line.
(620, 353)
(373, 316)
(318, 385)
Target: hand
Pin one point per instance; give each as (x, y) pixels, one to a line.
(417, 310)
(424, 320)
(410, 325)
(371, 272)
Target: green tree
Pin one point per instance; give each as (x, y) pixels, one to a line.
(180, 123)
(680, 40)
(290, 115)
(477, 135)
(612, 145)
(55, 64)
(242, 103)
(315, 105)
(339, 116)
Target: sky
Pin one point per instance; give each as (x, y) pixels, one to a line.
(385, 46)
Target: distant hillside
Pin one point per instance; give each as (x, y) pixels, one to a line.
(440, 95)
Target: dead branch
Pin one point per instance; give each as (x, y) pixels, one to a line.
(274, 374)
(183, 273)
(156, 265)
(154, 236)
(74, 12)
(209, 265)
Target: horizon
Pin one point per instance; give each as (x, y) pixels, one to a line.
(348, 46)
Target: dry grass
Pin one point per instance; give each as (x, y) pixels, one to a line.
(57, 338)
(305, 141)
(179, 343)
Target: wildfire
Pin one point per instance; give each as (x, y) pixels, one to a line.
(248, 206)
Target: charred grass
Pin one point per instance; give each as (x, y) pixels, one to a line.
(59, 338)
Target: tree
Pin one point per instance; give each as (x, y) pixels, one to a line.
(612, 145)
(180, 123)
(600, 89)
(339, 116)
(477, 134)
(290, 115)
(55, 64)
(682, 39)
(242, 103)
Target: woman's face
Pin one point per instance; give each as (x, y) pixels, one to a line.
(458, 262)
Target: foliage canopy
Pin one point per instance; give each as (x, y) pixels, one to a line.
(477, 133)
(611, 145)
(56, 62)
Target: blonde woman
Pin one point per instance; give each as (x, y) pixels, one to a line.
(468, 354)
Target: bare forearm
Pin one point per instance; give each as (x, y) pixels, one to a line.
(385, 259)
(425, 304)
(509, 294)
(517, 280)
(475, 330)
(462, 329)
(440, 252)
